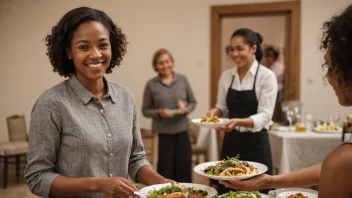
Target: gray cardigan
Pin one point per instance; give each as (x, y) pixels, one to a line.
(158, 95)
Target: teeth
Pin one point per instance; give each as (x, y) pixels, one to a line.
(94, 65)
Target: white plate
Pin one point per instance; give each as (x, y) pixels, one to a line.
(223, 121)
(316, 129)
(211, 191)
(263, 195)
(200, 170)
(285, 192)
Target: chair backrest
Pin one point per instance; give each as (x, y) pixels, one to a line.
(16, 125)
(151, 142)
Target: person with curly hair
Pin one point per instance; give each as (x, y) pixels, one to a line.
(334, 174)
(84, 136)
(168, 99)
(246, 95)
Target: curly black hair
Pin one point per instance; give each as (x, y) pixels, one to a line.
(337, 35)
(62, 33)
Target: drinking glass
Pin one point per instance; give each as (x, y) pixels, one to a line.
(289, 116)
(335, 119)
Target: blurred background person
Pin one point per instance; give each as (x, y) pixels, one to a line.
(272, 62)
(246, 94)
(168, 99)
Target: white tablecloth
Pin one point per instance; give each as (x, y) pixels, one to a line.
(290, 150)
(207, 139)
(293, 151)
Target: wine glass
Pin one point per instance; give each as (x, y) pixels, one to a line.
(289, 116)
(335, 119)
(309, 120)
(285, 106)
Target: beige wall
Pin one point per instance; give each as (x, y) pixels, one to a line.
(272, 29)
(182, 26)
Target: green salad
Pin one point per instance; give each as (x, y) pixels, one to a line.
(231, 167)
(242, 194)
(176, 190)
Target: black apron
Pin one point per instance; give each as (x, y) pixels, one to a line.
(250, 146)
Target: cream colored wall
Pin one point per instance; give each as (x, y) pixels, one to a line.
(182, 26)
(272, 29)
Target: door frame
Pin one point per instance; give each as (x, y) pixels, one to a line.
(292, 48)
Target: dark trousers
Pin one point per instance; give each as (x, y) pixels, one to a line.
(175, 157)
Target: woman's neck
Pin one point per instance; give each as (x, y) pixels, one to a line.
(167, 79)
(167, 76)
(242, 71)
(95, 87)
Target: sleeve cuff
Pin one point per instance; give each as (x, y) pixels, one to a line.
(43, 190)
(256, 123)
(138, 165)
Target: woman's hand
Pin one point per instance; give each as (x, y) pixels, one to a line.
(164, 113)
(214, 112)
(169, 181)
(230, 125)
(114, 187)
(256, 183)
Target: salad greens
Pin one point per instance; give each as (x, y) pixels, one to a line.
(230, 167)
(242, 194)
(190, 192)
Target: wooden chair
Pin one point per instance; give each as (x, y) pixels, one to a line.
(197, 152)
(151, 145)
(16, 147)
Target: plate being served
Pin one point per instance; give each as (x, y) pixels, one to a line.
(211, 191)
(200, 169)
(327, 127)
(325, 130)
(286, 192)
(237, 194)
(212, 125)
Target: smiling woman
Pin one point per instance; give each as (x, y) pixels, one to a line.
(168, 99)
(90, 52)
(334, 174)
(246, 95)
(84, 137)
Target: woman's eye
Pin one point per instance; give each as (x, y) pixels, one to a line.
(104, 45)
(83, 47)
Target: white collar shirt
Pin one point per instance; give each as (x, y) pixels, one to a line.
(265, 89)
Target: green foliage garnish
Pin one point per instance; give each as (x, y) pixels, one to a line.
(176, 188)
(242, 194)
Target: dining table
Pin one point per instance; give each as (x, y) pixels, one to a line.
(296, 150)
(207, 139)
(290, 150)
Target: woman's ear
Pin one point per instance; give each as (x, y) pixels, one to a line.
(254, 49)
(69, 53)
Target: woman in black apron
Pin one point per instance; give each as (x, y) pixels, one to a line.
(244, 109)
